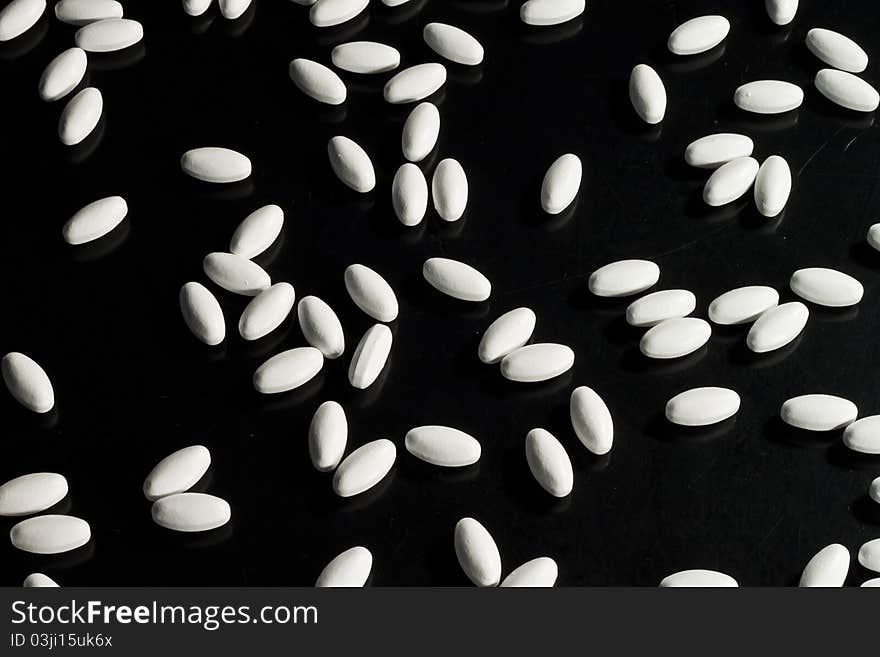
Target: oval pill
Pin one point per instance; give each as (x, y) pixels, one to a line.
(83, 12)
(196, 7)
(827, 568)
(537, 362)
(768, 96)
(257, 231)
(351, 164)
(351, 569)
(317, 81)
(63, 74)
(80, 116)
(449, 189)
(561, 183)
(711, 151)
(700, 407)
(32, 493)
(409, 194)
(415, 83)
(837, 50)
(818, 412)
(863, 435)
(698, 578)
(674, 338)
(443, 446)
(550, 12)
(109, 35)
(506, 334)
(420, 132)
(781, 12)
(328, 435)
(370, 357)
(18, 16)
(874, 490)
(266, 311)
(698, 35)
(321, 327)
(847, 90)
(453, 43)
(772, 186)
(39, 580)
(826, 287)
(873, 236)
(27, 382)
(537, 573)
(202, 313)
(591, 420)
(191, 512)
(327, 13)
(624, 278)
(869, 555)
(215, 164)
(95, 220)
(365, 57)
(50, 534)
(656, 307)
(288, 370)
(647, 94)
(232, 9)
(742, 305)
(477, 553)
(371, 293)
(456, 279)
(777, 326)
(177, 472)
(236, 274)
(549, 463)
(364, 468)
(730, 181)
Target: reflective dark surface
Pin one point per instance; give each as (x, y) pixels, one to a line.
(749, 497)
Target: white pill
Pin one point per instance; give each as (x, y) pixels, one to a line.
(415, 83)
(393, 3)
(196, 7)
(698, 35)
(453, 43)
(742, 305)
(236, 274)
(177, 472)
(420, 132)
(828, 568)
(537, 573)
(863, 435)
(288, 370)
(772, 186)
(711, 151)
(781, 12)
(444, 446)
(777, 326)
(233, 9)
(873, 236)
(449, 189)
(874, 490)
(561, 183)
(257, 231)
(624, 278)
(847, 90)
(63, 74)
(656, 307)
(818, 412)
(367, 57)
(27, 382)
(371, 293)
(364, 468)
(38, 581)
(95, 220)
(700, 407)
(215, 164)
(18, 16)
(826, 287)
(674, 338)
(266, 311)
(321, 327)
(109, 35)
(351, 569)
(506, 334)
(837, 50)
(83, 12)
(456, 279)
(647, 94)
(351, 164)
(768, 96)
(549, 462)
(50, 534)
(317, 81)
(550, 12)
(327, 13)
(409, 194)
(202, 313)
(869, 555)
(591, 420)
(698, 578)
(871, 583)
(31, 493)
(328, 435)
(370, 356)
(730, 181)
(191, 512)
(80, 116)
(477, 553)
(537, 362)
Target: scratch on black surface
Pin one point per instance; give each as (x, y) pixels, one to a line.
(819, 150)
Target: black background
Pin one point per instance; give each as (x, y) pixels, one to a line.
(747, 497)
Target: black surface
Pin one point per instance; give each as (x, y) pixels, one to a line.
(747, 497)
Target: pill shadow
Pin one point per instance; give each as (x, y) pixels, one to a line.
(545, 36)
(401, 13)
(467, 76)
(102, 247)
(17, 418)
(618, 331)
(777, 431)
(238, 27)
(840, 455)
(361, 501)
(829, 110)
(580, 298)
(417, 471)
(683, 64)
(635, 362)
(751, 219)
(479, 7)
(748, 122)
(866, 510)
(60, 562)
(268, 257)
(283, 401)
(194, 541)
(82, 151)
(235, 191)
(24, 43)
(363, 399)
(260, 350)
(697, 209)
(333, 36)
(118, 60)
(676, 168)
(730, 333)
(865, 255)
(527, 393)
(661, 429)
(741, 355)
(199, 25)
(833, 315)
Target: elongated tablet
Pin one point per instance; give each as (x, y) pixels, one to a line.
(317, 81)
(711, 151)
(63, 74)
(365, 57)
(777, 326)
(364, 468)
(826, 287)
(863, 435)
(449, 189)
(27, 382)
(39, 580)
(443, 446)
(328, 435)
(818, 412)
(453, 43)
(50, 534)
(191, 512)
(236, 274)
(257, 232)
(827, 568)
(591, 420)
(506, 334)
(409, 194)
(477, 553)
(537, 573)
(350, 569)
(233, 9)
(624, 278)
(370, 357)
(196, 7)
(698, 578)
(561, 183)
(95, 220)
(109, 35)
(674, 338)
(549, 462)
(873, 236)
(647, 94)
(874, 489)
(869, 555)
(83, 12)
(837, 50)
(215, 164)
(456, 279)
(288, 370)
(781, 12)
(537, 362)
(327, 13)
(550, 12)
(266, 311)
(730, 181)
(371, 293)
(415, 83)
(742, 305)
(772, 186)
(202, 313)
(18, 16)
(768, 96)
(31, 493)
(847, 90)
(700, 407)
(351, 164)
(177, 472)
(80, 116)
(420, 132)
(321, 327)
(653, 308)
(698, 35)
